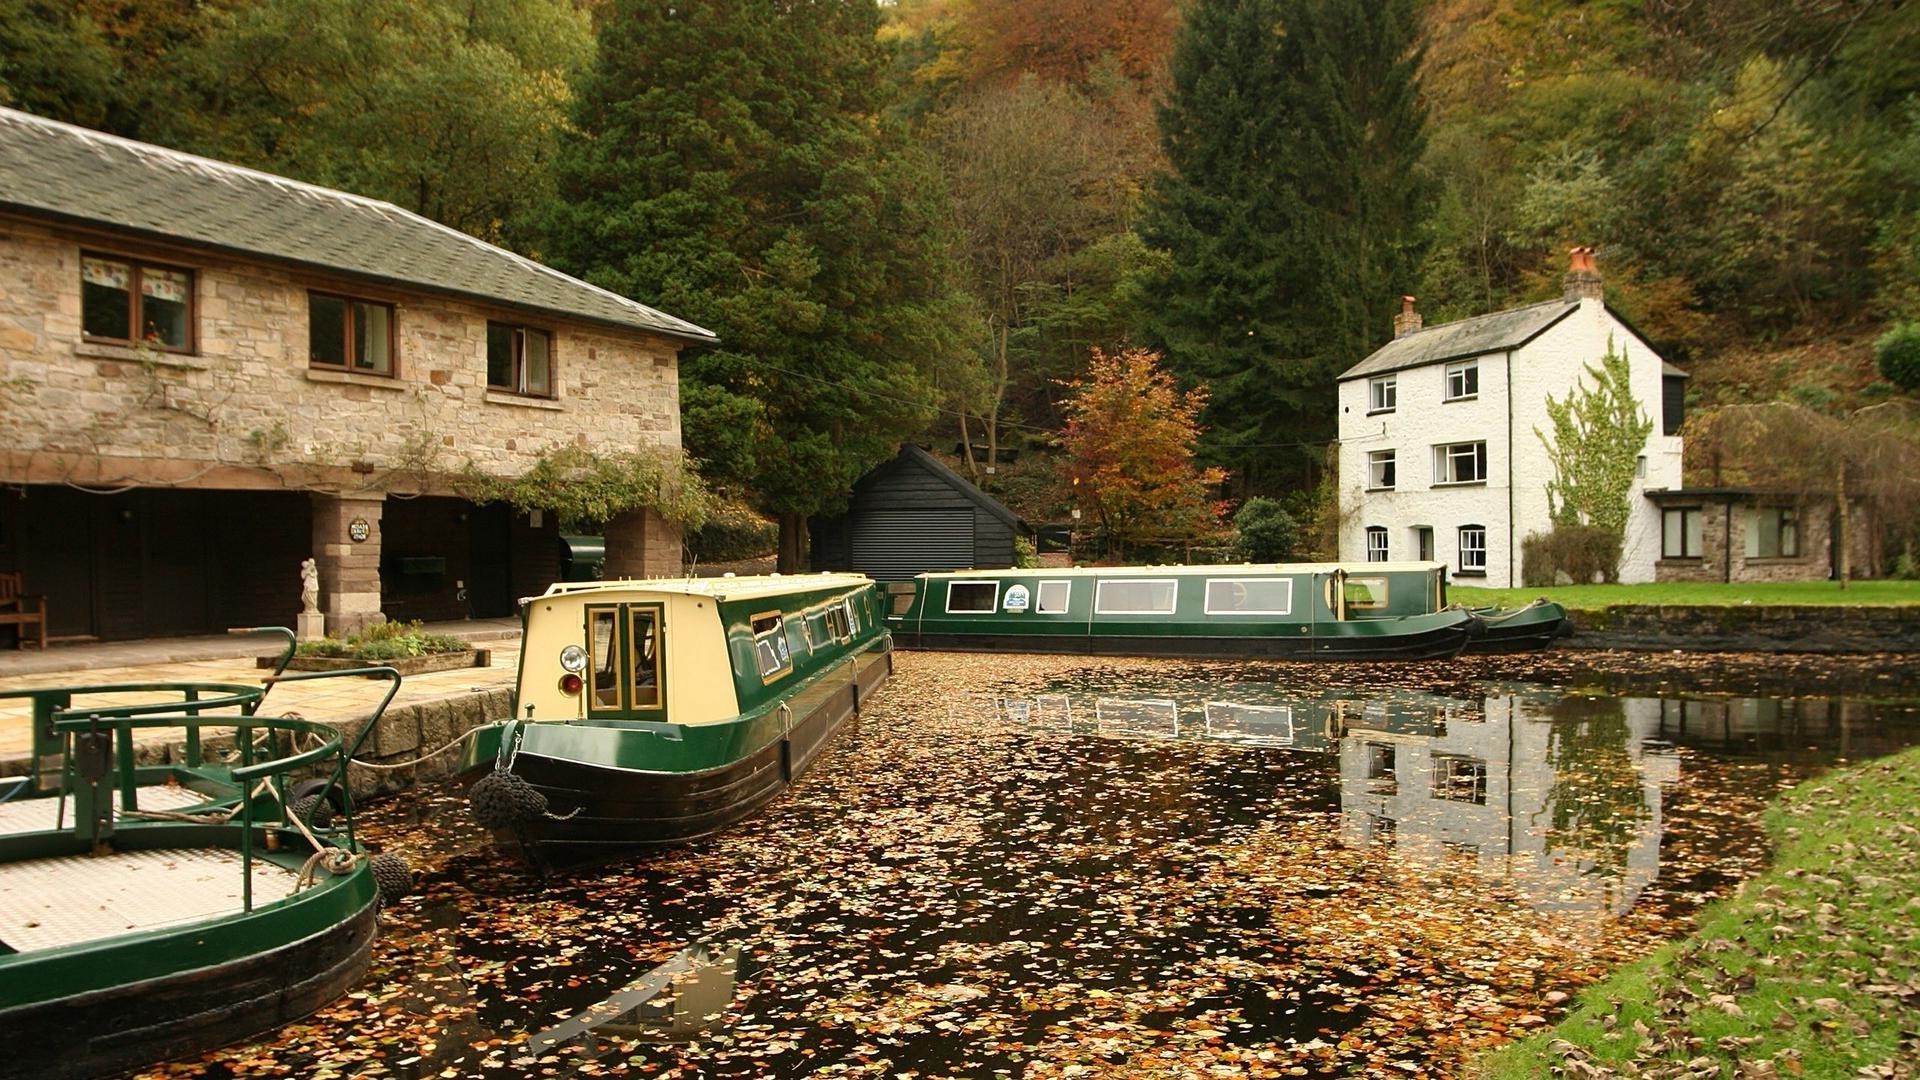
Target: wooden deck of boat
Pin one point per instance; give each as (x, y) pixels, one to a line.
(54, 902)
(42, 814)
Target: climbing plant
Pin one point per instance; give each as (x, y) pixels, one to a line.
(585, 490)
(1599, 432)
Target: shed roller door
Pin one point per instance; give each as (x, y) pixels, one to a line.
(894, 545)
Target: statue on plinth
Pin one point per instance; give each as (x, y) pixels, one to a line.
(311, 623)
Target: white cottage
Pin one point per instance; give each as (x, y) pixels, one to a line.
(1438, 453)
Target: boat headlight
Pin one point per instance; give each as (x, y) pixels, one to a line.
(574, 659)
(570, 683)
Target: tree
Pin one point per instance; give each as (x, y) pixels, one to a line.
(1861, 459)
(734, 164)
(1599, 432)
(1293, 203)
(1129, 441)
(1897, 353)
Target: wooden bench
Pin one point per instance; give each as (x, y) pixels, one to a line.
(21, 610)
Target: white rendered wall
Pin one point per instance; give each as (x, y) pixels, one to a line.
(1552, 364)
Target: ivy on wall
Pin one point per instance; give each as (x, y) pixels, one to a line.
(585, 490)
(1599, 432)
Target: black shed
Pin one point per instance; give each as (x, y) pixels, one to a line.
(913, 515)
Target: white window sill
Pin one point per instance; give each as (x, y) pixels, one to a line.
(502, 397)
(94, 350)
(354, 378)
(1459, 483)
(1464, 397)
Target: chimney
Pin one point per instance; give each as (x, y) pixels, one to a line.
(1583, 278)
(1408, 320)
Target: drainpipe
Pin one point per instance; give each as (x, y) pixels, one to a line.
(1510, 549)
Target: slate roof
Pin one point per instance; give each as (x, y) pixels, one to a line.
(1481, 334)
(56, 170)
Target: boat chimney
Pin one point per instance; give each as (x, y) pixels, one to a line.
(1583, 278)
(1408, 320)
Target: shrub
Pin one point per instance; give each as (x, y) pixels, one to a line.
(1898, 354)
(733, 531)
(386, 641)
(1268, 533)
(1577, 553)
(1025, 555)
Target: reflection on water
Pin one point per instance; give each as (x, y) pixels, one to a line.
(676, 1000)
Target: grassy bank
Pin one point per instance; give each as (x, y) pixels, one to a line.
(1589, 597)
(1812, 969)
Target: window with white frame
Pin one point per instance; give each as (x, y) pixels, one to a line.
(1382, 393)
(1380, 470)
(972, 596)
(1053, 598)
(1460, 463)
(1681, 528)
(1249, 596)
(1134, 597)
(1460, 779)
(1473, 549)
(1773, 532)
(1376, 543)
(1463, 380)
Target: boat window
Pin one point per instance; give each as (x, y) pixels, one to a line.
(972, 595)
(1249, 596)
(1366, 593)
(770, 646)
(605, 664)
(903, 601)
(838, 622)
(853, 617)
(1053, 598)
(1134, 597)
(645, 638)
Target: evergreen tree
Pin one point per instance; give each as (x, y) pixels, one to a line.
(1293, 210)
(735, 166)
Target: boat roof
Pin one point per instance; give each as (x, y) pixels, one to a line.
(1220, 570)
(728, 587)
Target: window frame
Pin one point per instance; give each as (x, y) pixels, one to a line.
(1383, 394)
(782, 649)
(1697, 534)
(1379, 479)
(1785, 525)
(993, 604)
(1444, 457)
(1461, 547)
(519, 332)
(1375, 598)
(1040, 591)
(1207, 608)
(1467, 372)
(1380, 549)
(1173, 597)
(620, 648)
(347, 336)
(1460, 778)
(135, 302)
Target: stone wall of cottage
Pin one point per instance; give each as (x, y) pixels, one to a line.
(245, 409)
(1723, 548)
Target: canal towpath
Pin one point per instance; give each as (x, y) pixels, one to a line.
(449, 695)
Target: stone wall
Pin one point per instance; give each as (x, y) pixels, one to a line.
(246, 409)
(1723, 546)
(1755, 628)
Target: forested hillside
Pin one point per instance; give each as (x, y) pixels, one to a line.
(919, 219)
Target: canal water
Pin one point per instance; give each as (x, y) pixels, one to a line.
(1051, 867)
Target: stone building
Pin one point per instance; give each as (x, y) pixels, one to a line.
(209, 374)
(1732, 534)
(1438, 456)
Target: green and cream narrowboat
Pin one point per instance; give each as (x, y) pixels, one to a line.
(656, 712)
(1381, 611)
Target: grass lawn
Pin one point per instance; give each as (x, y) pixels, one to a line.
(1577, 597)
(1812, 969)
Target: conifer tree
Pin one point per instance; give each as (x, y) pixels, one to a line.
(1293, 210)
(735, 167)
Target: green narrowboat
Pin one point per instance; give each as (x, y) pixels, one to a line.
(657, 712)
(155, 911)
(1382, 611)
(1522, 629)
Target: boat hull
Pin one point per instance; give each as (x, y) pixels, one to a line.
(601, 798)
(1526, 629)
(1411, 638)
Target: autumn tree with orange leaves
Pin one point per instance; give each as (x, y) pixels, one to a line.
(1129, 441)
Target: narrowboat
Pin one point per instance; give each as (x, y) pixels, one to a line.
(1384, 611)
(155, 911)
(1522, 629)
(656, 712)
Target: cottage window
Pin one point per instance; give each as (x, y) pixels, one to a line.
(1379, 761)
(1463, 380)
(1249, 596)
(1773, 532)
(1473, 549)
(1376, 543)
(1053, 598)
(1460, 463)
(972, 596)
(1380, 470)
(1382, 394)
(519, 360)
(770, 646)
(136, 303)
(1125, 597)
(354, 335)
(1460, 779)
(1680, 533)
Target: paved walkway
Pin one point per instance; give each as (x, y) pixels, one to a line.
(231, 659)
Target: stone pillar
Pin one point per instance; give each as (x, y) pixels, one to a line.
(642, 544)
(346, 543)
